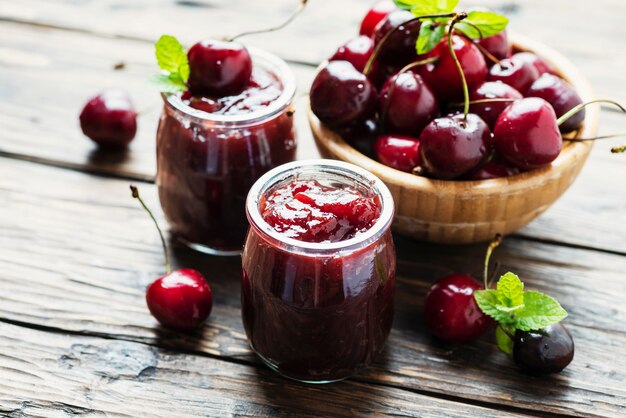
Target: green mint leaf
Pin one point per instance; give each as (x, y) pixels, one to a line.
(510, 291)
(167, 83)
(427, 7)
(429, 36)
(539, 311)
(504, 342)
(482, 24)
(171, 56)
(489, 303)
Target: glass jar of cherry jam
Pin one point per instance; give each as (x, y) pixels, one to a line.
(319, 269)
(210, 150)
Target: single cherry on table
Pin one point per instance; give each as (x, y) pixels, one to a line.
(109, 119)
(182, 299)
(544, 351)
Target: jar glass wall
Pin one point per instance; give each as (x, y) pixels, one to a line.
(318, 312)
(206, 162)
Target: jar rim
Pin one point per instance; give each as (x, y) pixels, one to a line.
(292, 170)
(276, 65)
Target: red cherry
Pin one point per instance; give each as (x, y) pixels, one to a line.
(451, 147)
(109, 119)
(399, 152)
(489, 112)
(526, 134)
(561, 96)
(375, 15)
(361, 135)
(516, 73)
(497, 45)
(218, 68)
(356, 51)
(540, 65)
(181, 300)
(341, 95)
(399, 47)
(412, 104)
(443, 76)
(450, 311)
(493, 170)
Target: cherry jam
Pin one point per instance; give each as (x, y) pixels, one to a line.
(318, 269)
(211, 150)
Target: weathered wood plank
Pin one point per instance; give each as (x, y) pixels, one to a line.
(87, 252)
(47, 61)
(69, 375)
(327, 23)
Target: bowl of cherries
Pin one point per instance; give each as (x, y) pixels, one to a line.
(474, 131)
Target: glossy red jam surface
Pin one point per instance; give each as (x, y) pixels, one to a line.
(205, 168)
(263, 89)
(318, 316)
(309, 211)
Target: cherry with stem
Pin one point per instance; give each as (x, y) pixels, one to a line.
(135, 193)
(457, 18)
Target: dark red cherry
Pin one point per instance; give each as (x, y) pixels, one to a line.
(399, 48)
(356, 51)
(399, 152)
(545, 351)
(218, 68)
(489, 112)
(375, 15)
(451, 312)
(514, 72)
(562, 96)
(181, 300)
(497, 45)
(540, 65)
(341, 95)
(526, 134)
(451, 147)
(109, 119)
(361, 135)
(411, 106)
(493, 170)
(443, 76)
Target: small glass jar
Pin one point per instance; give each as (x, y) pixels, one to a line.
(207, 162)
(317, 312)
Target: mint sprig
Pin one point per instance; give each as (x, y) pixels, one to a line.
(172, 60)
(474, 24)
(514, 308)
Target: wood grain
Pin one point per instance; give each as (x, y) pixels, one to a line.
(87, 251)
(327, 23)
(71, 375)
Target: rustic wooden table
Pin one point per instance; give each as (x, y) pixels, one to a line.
(76, 253)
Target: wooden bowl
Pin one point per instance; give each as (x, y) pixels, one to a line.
(459, 212)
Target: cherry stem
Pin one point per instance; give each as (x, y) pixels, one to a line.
(294, 14)
(383, 41)
(481, 101)
(404, 69)
(135, 192)
(619, 134)
(618, 150)
(492, 246)
(457, 18)
(486, 53)
(581, 106)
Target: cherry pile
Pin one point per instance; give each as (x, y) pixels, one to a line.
(404, 109)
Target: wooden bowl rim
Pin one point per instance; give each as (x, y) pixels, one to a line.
(571, 151)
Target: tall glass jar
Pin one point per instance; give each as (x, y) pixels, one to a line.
(207, 162)
(317, 312)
